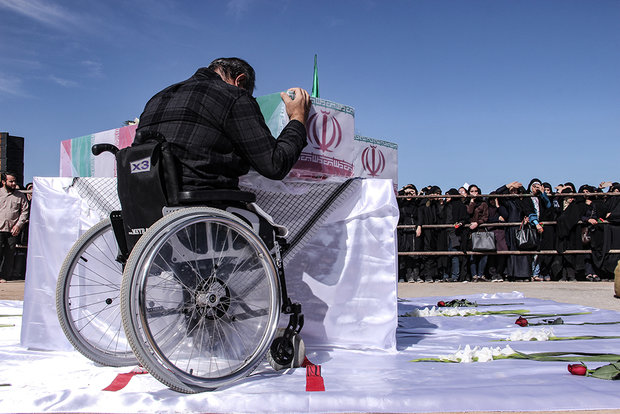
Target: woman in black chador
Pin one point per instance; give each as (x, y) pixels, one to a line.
(428, 213)
(478, 211)
(497, 262)
(538, 205)
(408, 266)
(549, 239)
(569, 236)
(455, 213)
(518, 267)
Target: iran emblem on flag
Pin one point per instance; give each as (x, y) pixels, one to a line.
(331, 128)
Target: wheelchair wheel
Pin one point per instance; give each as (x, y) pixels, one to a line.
(88, 298)
(291, 357)
(200, 299)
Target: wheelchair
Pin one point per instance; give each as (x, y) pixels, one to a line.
(190, 284)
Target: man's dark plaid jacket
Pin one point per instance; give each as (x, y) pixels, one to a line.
(218, 132)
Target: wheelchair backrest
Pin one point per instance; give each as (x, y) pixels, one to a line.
(147, 181)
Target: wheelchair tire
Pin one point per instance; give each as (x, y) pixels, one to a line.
(200, 299)
(88, 298)
(297, 353)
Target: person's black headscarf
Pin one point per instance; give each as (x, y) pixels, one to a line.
(532, 181)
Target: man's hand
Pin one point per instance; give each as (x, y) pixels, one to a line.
(473, 225)
(539, 228)
(15, 230)
(299, 107)
(418, 231)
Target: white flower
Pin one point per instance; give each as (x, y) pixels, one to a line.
(479, 354)
(507, 350)
(443, 312)
(541, 334)
(466, 355)
(484, 354)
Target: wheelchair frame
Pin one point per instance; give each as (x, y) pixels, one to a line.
(200, 294)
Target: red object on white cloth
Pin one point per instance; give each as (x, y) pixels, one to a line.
(122, 380)
(314, 380)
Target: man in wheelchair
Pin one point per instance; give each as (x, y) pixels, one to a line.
(202, 266)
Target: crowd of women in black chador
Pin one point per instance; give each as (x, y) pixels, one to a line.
(582, 223)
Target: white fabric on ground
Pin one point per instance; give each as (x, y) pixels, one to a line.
(367, 381)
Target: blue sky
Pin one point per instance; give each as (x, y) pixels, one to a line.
(478, 91)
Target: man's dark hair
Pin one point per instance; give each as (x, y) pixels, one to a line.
(233, 67)
(5, 173)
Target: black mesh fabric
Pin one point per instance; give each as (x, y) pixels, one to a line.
(302, 209)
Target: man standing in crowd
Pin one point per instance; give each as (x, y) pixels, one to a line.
(13, 216)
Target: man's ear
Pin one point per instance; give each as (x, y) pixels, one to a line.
(240, 81)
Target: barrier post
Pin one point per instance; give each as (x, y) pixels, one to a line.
(617, 280)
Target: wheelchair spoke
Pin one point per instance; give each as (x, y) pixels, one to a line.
(88, 298)
(113, 343)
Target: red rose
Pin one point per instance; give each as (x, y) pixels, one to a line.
(441, 304)
(522, 321)
(577, 369)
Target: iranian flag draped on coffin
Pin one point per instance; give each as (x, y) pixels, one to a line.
(334, 151)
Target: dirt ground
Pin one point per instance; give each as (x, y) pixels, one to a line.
(12, 290)
(595, 294)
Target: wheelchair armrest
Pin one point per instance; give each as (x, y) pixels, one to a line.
(196, 197)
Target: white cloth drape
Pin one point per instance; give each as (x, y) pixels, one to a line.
(345, 278)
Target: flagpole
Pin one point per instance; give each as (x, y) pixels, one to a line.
(315, 80)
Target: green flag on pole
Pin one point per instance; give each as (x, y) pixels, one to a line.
(315, 81)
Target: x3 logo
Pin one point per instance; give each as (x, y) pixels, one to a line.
(139, 166)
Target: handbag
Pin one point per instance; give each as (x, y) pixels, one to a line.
(527, 238)
(586, 238)
(483, 241)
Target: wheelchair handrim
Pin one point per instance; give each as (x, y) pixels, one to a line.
(139, 285)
